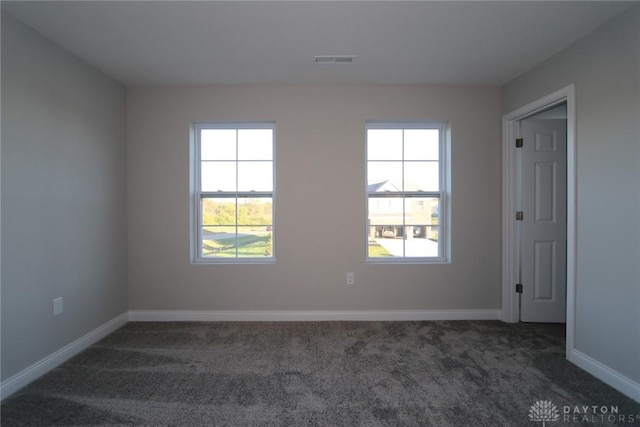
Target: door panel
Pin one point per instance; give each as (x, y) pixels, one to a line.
(544, 271)
(545, 188)
(544, 228)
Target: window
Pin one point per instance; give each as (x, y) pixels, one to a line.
(233, 192)
(406, 192)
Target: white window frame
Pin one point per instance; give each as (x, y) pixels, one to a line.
(197, 194)
(442, 194)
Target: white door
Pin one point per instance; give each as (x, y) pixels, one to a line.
(544, 223)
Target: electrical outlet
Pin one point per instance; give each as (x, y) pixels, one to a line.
(351, 278)
(57, 306)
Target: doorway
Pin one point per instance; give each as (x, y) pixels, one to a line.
(513, 250)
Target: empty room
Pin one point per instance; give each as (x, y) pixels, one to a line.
(327, 213)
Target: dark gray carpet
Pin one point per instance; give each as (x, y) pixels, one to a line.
(316, 373)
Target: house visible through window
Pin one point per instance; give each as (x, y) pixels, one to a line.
(406, 192)
(234, 192)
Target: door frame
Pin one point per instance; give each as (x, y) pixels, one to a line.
(510, 247)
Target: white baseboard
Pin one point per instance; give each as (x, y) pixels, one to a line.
(24, 377)
(311, 315)
(606, 374)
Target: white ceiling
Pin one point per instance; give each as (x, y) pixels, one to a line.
(264, 42)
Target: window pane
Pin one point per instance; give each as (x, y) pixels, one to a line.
(256, 211)
(385, 211)
(255, 144)
(384, 144)
(375, 249)
(421, 210)
(420, 245)
(255, 176)
(218, 176)
(396, 241)
(218, 144)
(386, 241)
(384, 176)
(433, 233)
(219, 241)
(421, 176)
(255, 242)
(218, 211)
(421, 144)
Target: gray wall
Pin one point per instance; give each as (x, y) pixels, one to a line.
(63, 197)
(605, 67)
(320, 207)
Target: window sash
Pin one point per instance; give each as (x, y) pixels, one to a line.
(406, 224)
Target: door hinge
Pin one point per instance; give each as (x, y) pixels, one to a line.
(519, 288)
(519, 216)
(519, 142)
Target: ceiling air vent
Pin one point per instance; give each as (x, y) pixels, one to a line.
(334, 59)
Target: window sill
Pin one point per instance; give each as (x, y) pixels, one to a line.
(396, 261)
(233, 261)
